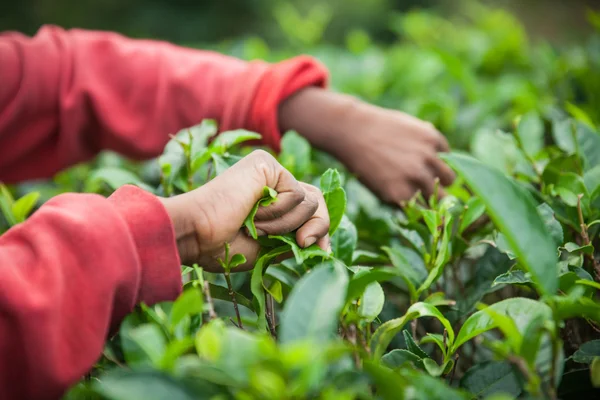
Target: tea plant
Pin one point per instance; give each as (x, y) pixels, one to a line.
(487, 292)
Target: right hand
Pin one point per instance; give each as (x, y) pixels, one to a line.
(212, 215)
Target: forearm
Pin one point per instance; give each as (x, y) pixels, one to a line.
(69, 275)
(68, 94)
(323, 117)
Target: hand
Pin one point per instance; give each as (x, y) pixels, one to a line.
(212, 215)
(392, 153)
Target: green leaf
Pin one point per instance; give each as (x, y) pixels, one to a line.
(295, 154)
(343, 241)
(579, 114)
(513, 211)
(412, 346)
(301, 254)
(210, 340)
(371, 302)
(491, 377)
(222, 293)
(227, 140)
(336, 206)
(587, 352)
(275, 290)
(335, 198)
(595, 372)
(530, 133)
(520, 310)
(364, 277)
(398, 357)
(23, 207)
(433, 368)
(313, 307)
(114, 178)
(474, 209)
(190, 302)
(514, 277)
(409, 265)
(6, 203)
(268, 198)
(220, 163)
(591, 179)
(385, 333)
(123, 384)
(441, 259)
(143, 345)
(256, 283)
(589, 145)
(237, 260)
(564, 135)
(552, 225)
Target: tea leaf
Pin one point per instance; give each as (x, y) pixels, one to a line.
(398, 357)
(124, 384)
(295, 154)
(23, 207)
(587, 352)
(513, 211)
(343, 241)
(521, 310)
(371, 302)
(312, 309)
(491, 377)
(190, 302)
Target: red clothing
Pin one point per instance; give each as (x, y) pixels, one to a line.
(81, 262)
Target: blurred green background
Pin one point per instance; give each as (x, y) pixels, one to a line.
(470, 67)
(197, 21)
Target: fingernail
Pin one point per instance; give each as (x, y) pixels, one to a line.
(329, 249)
(260, 232)
(309, 241)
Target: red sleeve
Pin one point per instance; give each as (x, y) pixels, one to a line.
(71, 273)
(65, 95)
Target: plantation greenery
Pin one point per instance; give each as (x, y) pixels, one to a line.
(489, 292)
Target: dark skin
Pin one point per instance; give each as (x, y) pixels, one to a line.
(392, 153)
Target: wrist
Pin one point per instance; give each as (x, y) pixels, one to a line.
(185, 234)
(322, 117)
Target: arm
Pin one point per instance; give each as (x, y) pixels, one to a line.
(392, 153)
(66, 95)
(70, 273)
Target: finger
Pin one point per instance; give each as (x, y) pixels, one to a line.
(286, 201)
(442, 143)
(423, 179)
(324, 243)
(442, 171)
(317, 227)
(291, 220)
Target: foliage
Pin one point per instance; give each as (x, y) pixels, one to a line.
(488, 292)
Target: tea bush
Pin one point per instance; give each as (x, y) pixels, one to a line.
(488, 292)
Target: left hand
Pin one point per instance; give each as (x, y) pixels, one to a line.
(392, 153)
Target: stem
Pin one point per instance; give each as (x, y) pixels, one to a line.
(351, 335)
(413, 325)
(269, 310)
(233, 300)
(586, 237)
(453, 368)
(211, 307)
(363, 341)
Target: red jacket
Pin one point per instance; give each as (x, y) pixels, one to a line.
(73, 270)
